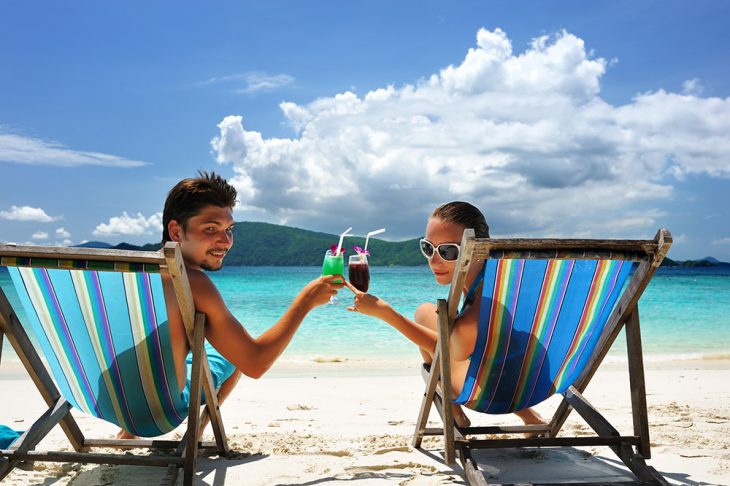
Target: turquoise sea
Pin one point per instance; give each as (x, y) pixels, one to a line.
(684, 313)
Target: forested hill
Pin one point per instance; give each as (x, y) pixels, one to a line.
(258, 244)
(264, 244)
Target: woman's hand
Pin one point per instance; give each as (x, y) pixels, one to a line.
(368, 304)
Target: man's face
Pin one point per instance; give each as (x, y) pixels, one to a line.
(206, 239)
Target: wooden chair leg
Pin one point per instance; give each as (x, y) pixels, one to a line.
(37, 432)
(212, 407)
(637, 383)
(428, 399)
(471, 469)
(439, 403)
(559, 418)
(196, 376)
(635, 462)
(171, 477)
(173, 469)
(445, 365)
(440, 371)
(221, 440)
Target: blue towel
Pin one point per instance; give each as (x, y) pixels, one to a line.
(220, 368)
(7, 436)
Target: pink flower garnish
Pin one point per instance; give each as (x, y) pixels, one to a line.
(333, 249)
(360, 251)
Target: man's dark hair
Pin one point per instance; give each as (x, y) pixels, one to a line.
(464, 214)
(189, 196)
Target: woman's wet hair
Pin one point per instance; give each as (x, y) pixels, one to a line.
(464, 214)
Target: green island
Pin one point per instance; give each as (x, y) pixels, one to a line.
(265, 244)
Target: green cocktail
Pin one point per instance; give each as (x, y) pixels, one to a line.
(333, 265)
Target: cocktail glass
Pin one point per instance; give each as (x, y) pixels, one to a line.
(333, 265)
(359, 272)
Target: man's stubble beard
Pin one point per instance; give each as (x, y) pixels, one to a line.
(207, 267)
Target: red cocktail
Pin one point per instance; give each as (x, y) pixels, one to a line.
(359, 272)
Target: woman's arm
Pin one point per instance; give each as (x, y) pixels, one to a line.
(370, 305)
(463, 333)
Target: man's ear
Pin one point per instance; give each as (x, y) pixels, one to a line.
(174, 230)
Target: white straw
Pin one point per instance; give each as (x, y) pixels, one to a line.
(372, 233)
(342, 237)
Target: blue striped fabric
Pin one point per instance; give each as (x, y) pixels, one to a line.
(539, 324)
(106, 339)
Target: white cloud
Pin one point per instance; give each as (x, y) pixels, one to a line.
(130, 225)
(722, 241)
(223, 79)
(692, 87)
(62, 233)
(26, 213)
(33, 151)
(265, 82)
(255, 81)
(40, 235)
(525, 136)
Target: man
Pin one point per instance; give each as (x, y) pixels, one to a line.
(198, 215)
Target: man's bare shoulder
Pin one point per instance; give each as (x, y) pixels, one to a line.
(207, 298)
(203, 289)
(198, 277)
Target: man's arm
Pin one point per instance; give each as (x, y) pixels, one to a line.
(254, 356)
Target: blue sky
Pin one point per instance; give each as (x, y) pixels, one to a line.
(588, 119)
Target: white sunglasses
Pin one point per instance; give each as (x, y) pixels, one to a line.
(448, 252)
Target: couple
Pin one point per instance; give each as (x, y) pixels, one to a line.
(198, 215)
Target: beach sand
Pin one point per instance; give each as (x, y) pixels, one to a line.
(336, 421)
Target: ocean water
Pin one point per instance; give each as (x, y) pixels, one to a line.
(685, 313)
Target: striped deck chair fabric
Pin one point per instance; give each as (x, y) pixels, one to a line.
(543, 319)
(106, 340)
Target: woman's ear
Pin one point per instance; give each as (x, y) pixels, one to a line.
(174, 230)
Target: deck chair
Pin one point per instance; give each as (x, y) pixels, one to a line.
(550, 311)
(100, 320)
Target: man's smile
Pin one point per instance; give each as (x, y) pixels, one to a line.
(218, 253)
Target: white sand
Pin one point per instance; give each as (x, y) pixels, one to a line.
(350, 423)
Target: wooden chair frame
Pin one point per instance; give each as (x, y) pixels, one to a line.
(649, 254)
(169, 260)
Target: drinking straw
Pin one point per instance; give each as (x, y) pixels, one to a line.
(372, 233)
(342, 237)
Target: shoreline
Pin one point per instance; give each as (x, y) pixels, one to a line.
(305, 366)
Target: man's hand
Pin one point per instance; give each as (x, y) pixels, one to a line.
(320, 290)
(367, 304)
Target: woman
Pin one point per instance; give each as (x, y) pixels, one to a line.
(441, 247)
